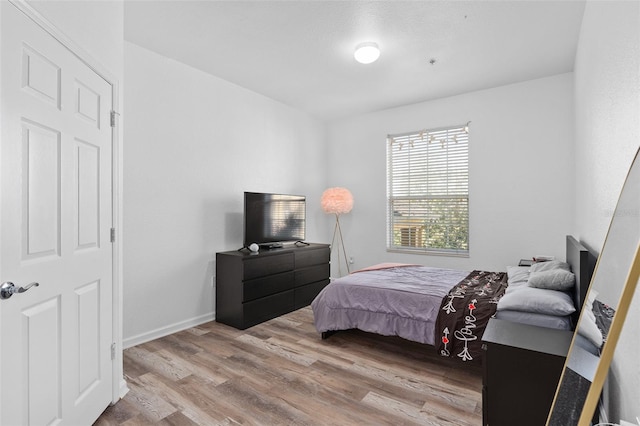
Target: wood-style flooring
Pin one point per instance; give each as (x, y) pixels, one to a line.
(281, 373)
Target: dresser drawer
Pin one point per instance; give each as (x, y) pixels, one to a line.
(268, 307)
(308, 258)
(268, 265)
(311, 274)
(304, 295)
(271, 284)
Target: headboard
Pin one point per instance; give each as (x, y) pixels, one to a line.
(582, 265)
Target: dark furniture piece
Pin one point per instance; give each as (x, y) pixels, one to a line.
(583, 263)
(523, 363)
(525, 262)
(522, 368)
(254, 287)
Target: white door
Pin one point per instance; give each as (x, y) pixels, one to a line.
(55, 221)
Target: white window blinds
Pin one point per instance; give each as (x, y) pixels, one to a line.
(428, 191)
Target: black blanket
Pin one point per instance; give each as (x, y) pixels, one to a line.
(465, 312)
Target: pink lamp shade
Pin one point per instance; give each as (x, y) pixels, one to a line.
(336, 200)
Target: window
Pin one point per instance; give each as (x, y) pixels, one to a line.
(428, 191)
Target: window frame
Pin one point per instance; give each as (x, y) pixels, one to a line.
(457, 170)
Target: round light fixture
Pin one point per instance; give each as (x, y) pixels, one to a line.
(367, 52)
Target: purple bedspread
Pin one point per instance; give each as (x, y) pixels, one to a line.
(399, 301)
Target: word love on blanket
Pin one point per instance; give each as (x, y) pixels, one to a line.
(465, 312)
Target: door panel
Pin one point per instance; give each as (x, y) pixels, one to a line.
(88, 301)
(87, 103)
(55, 221)
(87, 174)
(41, 76)
(41, 190)
(43, 371)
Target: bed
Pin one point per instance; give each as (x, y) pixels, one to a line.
(409, 300)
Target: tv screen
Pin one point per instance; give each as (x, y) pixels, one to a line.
(273, 218)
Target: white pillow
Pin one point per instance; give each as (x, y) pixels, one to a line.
(539, 300)
(517, 275)
(588, 328)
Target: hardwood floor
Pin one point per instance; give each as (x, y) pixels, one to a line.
(281, 372)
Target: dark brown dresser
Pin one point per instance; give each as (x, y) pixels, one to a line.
(255, 287)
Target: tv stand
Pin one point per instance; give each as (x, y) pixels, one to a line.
(255, 287)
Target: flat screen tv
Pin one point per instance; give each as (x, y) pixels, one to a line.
(273, 219)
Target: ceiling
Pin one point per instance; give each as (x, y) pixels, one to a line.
(301, 52)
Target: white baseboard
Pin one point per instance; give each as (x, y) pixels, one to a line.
(165, 331)
(123, 388)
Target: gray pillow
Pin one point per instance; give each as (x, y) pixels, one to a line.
(554, 279)
(539, 300)
(547, 266)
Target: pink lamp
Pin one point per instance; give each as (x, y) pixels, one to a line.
(337, 201)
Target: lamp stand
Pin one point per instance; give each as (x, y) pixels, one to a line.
(338, 231)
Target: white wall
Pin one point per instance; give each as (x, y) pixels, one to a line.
(521, 172)
(607, 90)
(194, 144)
(96, 26)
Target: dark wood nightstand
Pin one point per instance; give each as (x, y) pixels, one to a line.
(522, 367)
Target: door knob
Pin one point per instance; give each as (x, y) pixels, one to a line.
(7, 289)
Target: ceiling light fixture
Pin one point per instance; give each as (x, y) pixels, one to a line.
(367, 52)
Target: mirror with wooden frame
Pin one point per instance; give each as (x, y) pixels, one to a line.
(603, 313)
